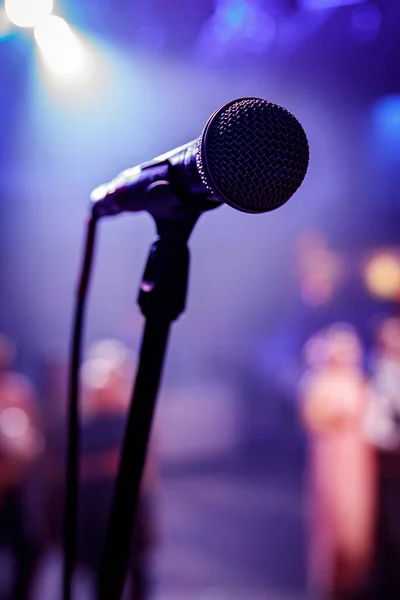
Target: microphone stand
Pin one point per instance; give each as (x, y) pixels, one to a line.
(161, 299)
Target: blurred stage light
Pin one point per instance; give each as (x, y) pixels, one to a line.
(382, 274)
(243, 25)
(62, 51)
(27, 13)
(246, 18)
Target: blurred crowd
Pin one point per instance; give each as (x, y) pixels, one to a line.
(32, 452)
(349, 406)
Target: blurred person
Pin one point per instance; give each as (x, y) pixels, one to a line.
(21, 443)
(383, 430)
(107, 386)
(341, 499)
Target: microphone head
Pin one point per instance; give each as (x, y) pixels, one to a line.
(253, 155)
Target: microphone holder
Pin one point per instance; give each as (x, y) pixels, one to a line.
(161, 299)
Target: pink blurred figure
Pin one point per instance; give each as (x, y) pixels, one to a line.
(342, 470)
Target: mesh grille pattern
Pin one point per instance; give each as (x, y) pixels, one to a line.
(254, 154)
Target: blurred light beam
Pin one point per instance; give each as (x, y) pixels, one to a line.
(28, 13)
(62, 52)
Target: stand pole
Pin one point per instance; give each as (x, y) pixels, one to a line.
(162, 299)
(72, 457)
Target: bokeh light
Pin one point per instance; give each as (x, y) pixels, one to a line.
(28, 13)
(382, 274)
(13, 422)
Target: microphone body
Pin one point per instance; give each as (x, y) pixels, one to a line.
(252, 155)
(161, 186)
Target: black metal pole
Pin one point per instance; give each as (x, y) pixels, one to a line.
(162, 299)
(127, 488)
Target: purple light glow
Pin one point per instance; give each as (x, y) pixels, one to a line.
(325, 4)
(366, 21)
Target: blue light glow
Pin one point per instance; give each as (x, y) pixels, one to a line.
(235, 13)
(239, 24)
(386, 117)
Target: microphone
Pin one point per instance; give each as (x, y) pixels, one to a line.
(252, 155)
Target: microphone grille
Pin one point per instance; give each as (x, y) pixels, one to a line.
(253, 154)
